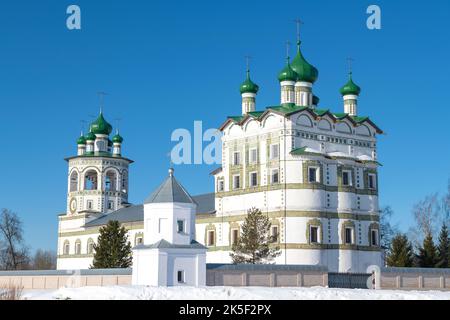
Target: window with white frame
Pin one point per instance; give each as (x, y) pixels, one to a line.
(372, 181)
(274, 151)
(180, 276)
(346, 178)
(180, 226)
(90, 246)
(236, 158)
(66, 249)
(110, 205)
(253, 179)
(236, 181)
(78, 248)
(90, 205)
(348, 235)
(274, 233)
(234, 236)
(313, 174)
(253, 156)
(220, 185)
(274, 176)
(374, 237)
(314, 234)
(211, 238)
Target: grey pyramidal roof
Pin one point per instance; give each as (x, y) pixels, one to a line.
(170, 191)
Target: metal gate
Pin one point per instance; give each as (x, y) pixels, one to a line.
(348, 280)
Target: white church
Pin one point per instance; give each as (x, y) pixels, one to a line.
(311, 170)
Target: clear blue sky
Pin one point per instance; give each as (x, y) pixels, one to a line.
(168, 63)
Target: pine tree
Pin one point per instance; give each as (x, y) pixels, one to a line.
(113, 249)
(443, 249)
(427, 257)
(253, 245)
(400, 252)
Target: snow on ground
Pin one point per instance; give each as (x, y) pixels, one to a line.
(230, 293)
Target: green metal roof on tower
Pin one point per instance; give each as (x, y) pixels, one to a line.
(90, 136)
(305, 71)
(101, 126)
(117, 138)
(287, 74)
(350, 88)
(248, 86)
(81, 140)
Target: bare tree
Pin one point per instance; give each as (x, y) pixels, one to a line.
(387, 230)
(13, 253)
(427, 217)
(44, 260)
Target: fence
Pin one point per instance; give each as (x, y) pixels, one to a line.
(55, 279)
(266, 275)
(414, 279)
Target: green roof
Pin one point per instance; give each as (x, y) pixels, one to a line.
(101, 126)
(90, 136)
(305, 71)
(117, 138)
(248, 86)
(350, 88)
(287, 74)
(81, 140)
(255, 114)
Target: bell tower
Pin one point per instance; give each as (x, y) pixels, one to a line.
(98, 174)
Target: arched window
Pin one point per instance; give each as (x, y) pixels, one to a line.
(111, 181)
(90, 246)
(304, 121)
(91, 180)
(78, 247)
(66, 248)
(73, 182)
(124, 184)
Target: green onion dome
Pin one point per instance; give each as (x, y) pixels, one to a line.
(305, 71)
(248, 86)
(287, 74)
(350, 88)
(117, 138)
(81, 140)
(101, 126)
(90, 136)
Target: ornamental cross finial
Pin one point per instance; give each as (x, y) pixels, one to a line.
(350, 60)
(299, 23)
(288, 46)
(118, 124)
(247, 62)
(101, 96)
(83, 122)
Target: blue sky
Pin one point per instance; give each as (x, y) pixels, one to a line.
(167, 64)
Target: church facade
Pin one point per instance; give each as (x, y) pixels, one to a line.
(314, 172)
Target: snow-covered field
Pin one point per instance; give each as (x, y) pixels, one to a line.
(230, 293)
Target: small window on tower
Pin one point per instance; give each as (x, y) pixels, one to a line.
(274, 234)
(236, 182)
(237, 158)
(253, 179)
(275, 177)
(90, 205)
(211, 238)
(346, 178)
(372, 181)
(234, 236)
(110, 205)
(348, 235)
(313, 174)
(180, 276)
(220, 186)
(374, 237)
(313, 234)
(180, 226)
